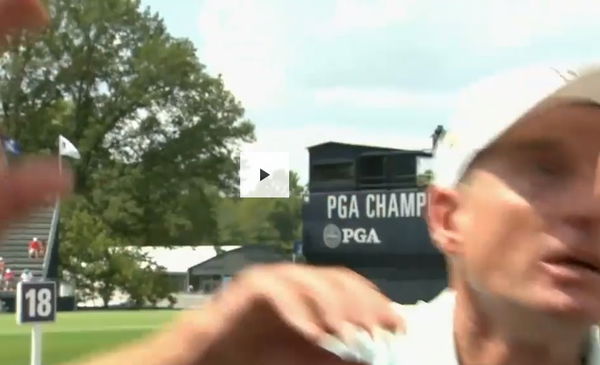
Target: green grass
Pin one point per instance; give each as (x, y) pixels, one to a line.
(77, 334)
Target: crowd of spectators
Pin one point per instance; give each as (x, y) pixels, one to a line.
(8, 280)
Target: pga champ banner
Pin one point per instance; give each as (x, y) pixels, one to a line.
(389, 221)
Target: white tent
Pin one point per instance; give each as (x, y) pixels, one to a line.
(180, 258)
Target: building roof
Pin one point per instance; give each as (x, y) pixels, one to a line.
(180, 258)
(378, 147)
(231, 262)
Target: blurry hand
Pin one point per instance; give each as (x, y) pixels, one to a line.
(277, 314)
(18, 15)
(28, 186)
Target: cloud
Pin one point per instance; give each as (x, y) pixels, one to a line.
(383, 98)
(266, 50)
(296, 140)
(515, 23)
(351, 15)
(263, 47)
(242, 40)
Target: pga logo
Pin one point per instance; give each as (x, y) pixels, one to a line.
(333, 236)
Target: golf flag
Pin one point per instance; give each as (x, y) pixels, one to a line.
(66, 148)
(11, 146)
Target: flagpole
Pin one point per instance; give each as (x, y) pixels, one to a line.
(54, 214)
(59, 158)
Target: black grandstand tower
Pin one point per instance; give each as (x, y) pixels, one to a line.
(365, 211)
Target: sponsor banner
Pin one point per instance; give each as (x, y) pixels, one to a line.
(368, 221)
(400, 204)
(333, 236)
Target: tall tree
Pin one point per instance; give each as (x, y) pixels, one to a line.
(100, 264)
(140, 107)
(156, 132)
(286, 214)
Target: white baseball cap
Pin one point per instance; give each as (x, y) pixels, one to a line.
(488, 108)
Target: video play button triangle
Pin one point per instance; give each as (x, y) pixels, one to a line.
(263, 174)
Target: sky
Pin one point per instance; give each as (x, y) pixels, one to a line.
(377, 72)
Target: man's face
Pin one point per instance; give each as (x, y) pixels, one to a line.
(527, 220)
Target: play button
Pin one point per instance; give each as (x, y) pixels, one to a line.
(263, 174)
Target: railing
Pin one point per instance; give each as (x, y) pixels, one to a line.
(51, 239)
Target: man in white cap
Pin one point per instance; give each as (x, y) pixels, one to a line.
(515, 208)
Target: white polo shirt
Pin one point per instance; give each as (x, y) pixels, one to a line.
(428, 338)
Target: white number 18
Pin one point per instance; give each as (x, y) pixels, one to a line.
(41, 303)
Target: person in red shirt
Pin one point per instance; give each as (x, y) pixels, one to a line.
(36, 248)
(9, 277)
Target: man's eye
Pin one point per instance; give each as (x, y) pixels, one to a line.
(549, 168)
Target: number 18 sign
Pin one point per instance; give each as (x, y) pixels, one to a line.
(36, 302)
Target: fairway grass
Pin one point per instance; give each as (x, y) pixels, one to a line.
(77, 334)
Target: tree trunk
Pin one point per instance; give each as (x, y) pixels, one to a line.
(106, 295)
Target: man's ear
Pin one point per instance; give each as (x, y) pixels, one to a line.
(441, 216)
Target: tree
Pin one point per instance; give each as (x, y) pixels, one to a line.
(245, 221)
(136, 101)
(156, 133)
(425, 178)
(146, 285)
(286, 214)
(101, 264)
(276, 221)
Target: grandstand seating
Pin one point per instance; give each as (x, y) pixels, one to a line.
(14, 242)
